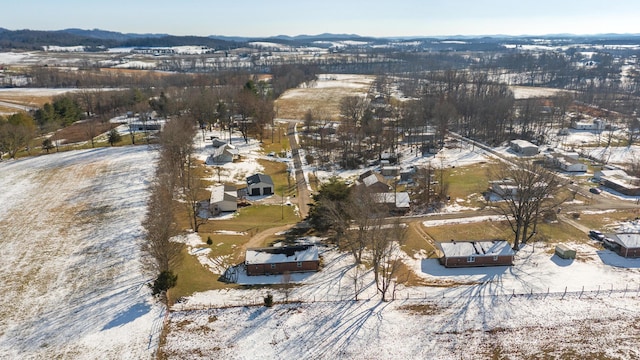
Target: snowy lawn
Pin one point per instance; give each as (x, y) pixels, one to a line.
(70, 229)
(516, 312)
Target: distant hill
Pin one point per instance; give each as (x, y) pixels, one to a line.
(98, 39)
(94, 39)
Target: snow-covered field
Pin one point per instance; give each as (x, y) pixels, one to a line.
(70, 229)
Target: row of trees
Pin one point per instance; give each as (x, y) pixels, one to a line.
(173, 183)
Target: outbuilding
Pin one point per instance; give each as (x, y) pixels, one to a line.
(523, 147)
(259, 184)
(476, 253)
(565, 252)
(278, 260)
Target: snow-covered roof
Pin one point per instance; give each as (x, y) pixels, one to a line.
(370, 180)
(523, 144)
(476, 248)
(221, 193)
(285, 254)
(629, 241)
(400, 199)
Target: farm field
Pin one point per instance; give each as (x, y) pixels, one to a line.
(70, 230)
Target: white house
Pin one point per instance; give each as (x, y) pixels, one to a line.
(223, 154)
(565, 161)
(595, 124)
(223, 198)
(259, 184)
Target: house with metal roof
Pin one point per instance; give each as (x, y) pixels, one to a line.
(278, 260)
(476, 253)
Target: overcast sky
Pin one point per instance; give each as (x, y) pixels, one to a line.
(262, 18)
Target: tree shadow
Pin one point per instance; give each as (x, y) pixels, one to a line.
(610, 258)
(134, 312)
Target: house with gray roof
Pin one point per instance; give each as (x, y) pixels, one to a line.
(476, 253)
(260, 184)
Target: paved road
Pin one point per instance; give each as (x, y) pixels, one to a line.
(303, 196)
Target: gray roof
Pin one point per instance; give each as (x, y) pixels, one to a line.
(629, 241)
(259, 178)
(476, 248)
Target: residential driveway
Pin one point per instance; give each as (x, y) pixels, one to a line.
(303, 196)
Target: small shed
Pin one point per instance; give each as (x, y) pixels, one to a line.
(278, 260)
(259, 184)
(476, 253)
(565, 252)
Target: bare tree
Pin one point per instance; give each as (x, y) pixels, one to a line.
(356, 276)
(529, 191)
(367, 219)
(385, 251)
(161, 227)
(193, 194)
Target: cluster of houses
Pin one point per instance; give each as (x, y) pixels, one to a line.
(396, 202)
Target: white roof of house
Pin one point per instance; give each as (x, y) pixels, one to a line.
(523, 144)
(285, 254)
(476, 248)
(221, 193)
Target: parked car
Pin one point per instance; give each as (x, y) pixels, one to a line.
(595, 190)
(596, 235)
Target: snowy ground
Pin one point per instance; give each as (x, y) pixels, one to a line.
(70, 230)
(517, 312)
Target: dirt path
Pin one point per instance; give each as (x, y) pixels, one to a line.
(258, 239)
(303, 197)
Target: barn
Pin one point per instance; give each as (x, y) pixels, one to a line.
(476, 253)
(259, 184)
(278, 260)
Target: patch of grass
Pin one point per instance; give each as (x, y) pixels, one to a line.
(280, 176)
(467, 180)
(474, 231)
(559, 232)
(607, 221)
(224, 245)
(254, 219)
(421, 309)
(415, 242)
(193, 277)
(279, 142)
